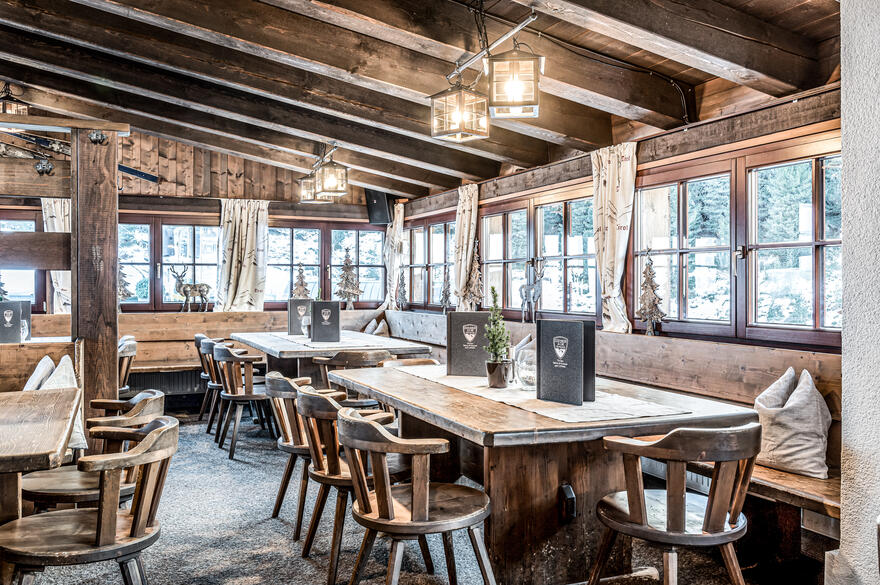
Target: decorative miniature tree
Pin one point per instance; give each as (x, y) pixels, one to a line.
(496, 332)
(122, 291)
(348, 289)
(649, 302)
(300, 289)
(445, 292)
(472, 295)
(401, 298)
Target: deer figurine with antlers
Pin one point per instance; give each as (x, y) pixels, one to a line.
(189, 292)
(531, 293)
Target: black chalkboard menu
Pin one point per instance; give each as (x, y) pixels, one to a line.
(466, 343)
(297, 310)
(566, 361)
(325, 321)
(10, 321)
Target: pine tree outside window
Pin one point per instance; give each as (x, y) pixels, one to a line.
(288, 247)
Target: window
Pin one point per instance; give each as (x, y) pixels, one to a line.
(428, 258)
(505, 256)
(192, 252)
(566, 247)
(365, 249)
(288, 248)
(441, 256)
(20, 285)
(794, 244)
(135, 261)
(415, 251)
(687, 228)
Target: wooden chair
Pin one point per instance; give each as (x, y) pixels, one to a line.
(412, 510)
(237, 376)
(330, 470)
(396, 363)
(347, 360)
(204, 376)
(67, 484)
(88, 535)
(127, 351)
(214, 386)
(672, 517)
(292, 437)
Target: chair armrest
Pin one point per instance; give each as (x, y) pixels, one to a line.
(303, 381)
(107, 404)
(627, 445)
(379, 416)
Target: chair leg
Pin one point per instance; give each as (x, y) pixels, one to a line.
(301, 504)
(338, 526)
(25, 575)
(426, 554)
(449, 551)
(395, 559)
(670, 567)
(482, 555)
(238, 410)
(132, 569)
(258, 407)
(363, 557)
(728, 553)
(285, 481)
(213, 410)
(222, 412)
(602, 555)
(205, 402)
(323, 492)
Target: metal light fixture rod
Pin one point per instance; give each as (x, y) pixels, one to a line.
(529, 19)
(326, 155)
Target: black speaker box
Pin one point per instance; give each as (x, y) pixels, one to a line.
(378, 208)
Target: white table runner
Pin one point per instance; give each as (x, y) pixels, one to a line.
(606, 407)
(347, 340)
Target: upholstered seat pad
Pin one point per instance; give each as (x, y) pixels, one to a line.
(67, 537)
(450, 507)
(65, 484)
(613, 511)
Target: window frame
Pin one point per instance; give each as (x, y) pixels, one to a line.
(327, 229)
(322, 259)
(409, 267)
(42, 281)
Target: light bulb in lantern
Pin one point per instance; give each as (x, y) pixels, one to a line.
(514, 88)
(330, 182)
(456, 116)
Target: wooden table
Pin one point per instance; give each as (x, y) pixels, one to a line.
(34, 430)
(523, 459)
(288, 356)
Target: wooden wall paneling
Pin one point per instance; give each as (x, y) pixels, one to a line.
(167, 163)
(219, 175)
(251, 178)
(17, 362)
(268, 175)
(130, 157)
(235, 177)
(201, 173)
(149, 162)
(184, 159)
(94, 263)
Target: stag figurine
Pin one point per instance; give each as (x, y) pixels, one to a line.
(189, 292)
(531, 293)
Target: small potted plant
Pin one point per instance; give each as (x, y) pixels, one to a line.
(499, 367)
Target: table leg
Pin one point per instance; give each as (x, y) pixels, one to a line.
(444, 467)
(10, 497)
(528, 537)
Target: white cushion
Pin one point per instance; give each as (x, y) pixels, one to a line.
(795, 421)
(64, 376)
(382, 329)
(41, 373)
(371, 327)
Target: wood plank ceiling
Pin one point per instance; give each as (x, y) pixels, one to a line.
(272, 81)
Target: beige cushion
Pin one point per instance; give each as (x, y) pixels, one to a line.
(64, 376)
(382, 329)
(41, 373)
(371, 327)
(795, 420)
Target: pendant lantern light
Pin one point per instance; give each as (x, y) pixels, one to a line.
(307, 191)
(331, 179)
(459, 114)
(9, 104)
(513, 83)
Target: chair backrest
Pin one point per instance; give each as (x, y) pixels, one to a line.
(733, 450)
(127, 351)
(236, 370)
(395, 363)
(282, 392)
(366, 445)
(206, 349)
(318, 412)
(156, 443)
(359, 359)
(140, 409)
(199, 338)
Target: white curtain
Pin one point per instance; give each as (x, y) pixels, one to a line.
(614, 182)
(245, 231)
(465, 236)
(393, 256)
(56, 218)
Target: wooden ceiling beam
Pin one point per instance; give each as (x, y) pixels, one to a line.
(219, 141)
(90, 66)
(161, 48)
(286, 37)
(445, 30)
(703, 34)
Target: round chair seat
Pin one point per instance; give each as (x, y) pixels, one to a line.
(259, 394)
(613, 511)
(299, 450)
(66, 485)
(204, 376)
(450, 507)
(359, 403)
(67, 537)
(398, 470)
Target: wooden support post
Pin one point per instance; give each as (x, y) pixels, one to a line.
(94, 262)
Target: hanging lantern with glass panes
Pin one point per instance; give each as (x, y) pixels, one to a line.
(331, 179)
(9, 104)
(459, 114)
(513, 83)
(307, 191)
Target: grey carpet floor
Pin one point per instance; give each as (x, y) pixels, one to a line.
(216, 529)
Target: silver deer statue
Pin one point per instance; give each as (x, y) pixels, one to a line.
(189, 292)
(531, 293)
